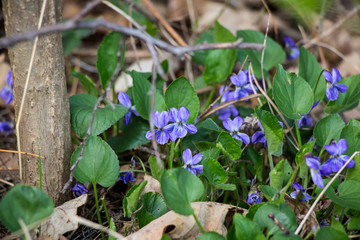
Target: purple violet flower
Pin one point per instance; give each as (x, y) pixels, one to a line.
(254, 198)
(191, 162)
(300, 193)
(313, 163)
(180, 128)
(333, 85)
(163, 133)
(6, 127)
(79, 189)
(292, 51)
(125, 100)
(7, 91)
(337, 159)
(126, 177)
(242, 83)
(305, 119)
(233, 126)
(259, 136)
(230, 110)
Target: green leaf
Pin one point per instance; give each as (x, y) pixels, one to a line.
(354, 223)
(337, 225)
(268, 191)
(348, 99)
(179, 188)
(72, 38)
(229, 146)
(292, 94)
(153, 206)
(222, 34)
(273, 55)
(209, 124)
(300, 158)
(107, 57)
(219, 65)
(205, 145)
(88, 83)
(142, 99)
(180, 93)
(131, 199)
(210, 236)
(309, 70)
(112, 227)
(282, 212)
(244, 228)
(273, 131)
(277, 175)
(156, 170)
(132, 136)
(354, 173)
(199, 57)
(348, 194)
(81, 110)
(216, 174)
(28, 203)
(351, 133)
(257, 160)
(211, 153)
(327, 129)
(330, 233)
(99, 164)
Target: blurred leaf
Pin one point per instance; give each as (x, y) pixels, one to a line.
(156, 170)
(229, 146)
(257, 160)
(210, 236)
(180, 93)
(354, 173)
(244, 228)
(99, 164)
(327, 129)
(141, 96)
(351, 133)
(292, 94)
(208, 123)
(268, 191)
(354, 223)
(348, 194)
(132, 136)
(88, 83)
(179, 188)
(107, 58)
(81, 110)
(274, 54)
(204, 145)
(131, 199)
(211, 153)
(300, 158)
(348, 99)
(309, 70)
(330, 233)
(72, 38)
(112, 227)
(27, 203)
(222, 34)
(277, 175)
(216, 174)
(199, 57)
(153, 206)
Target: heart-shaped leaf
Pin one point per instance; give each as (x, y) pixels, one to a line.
(99, 164)
(328, 128)
(131, 199)
(81, 110)
(153, 206)
(229, 146)
(216, 174)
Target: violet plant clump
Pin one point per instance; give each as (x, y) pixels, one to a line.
(242, 84)
(300, 193)
(233, 126)
(333, 86)
(191, 163)
(230, 110)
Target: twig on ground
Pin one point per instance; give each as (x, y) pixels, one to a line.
(88, 132)
(323, 192)
(279, 224)
(6, 182)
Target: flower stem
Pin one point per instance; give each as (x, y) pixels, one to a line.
(172, 152)
(271, 162)
(105, 209)
(213, 193)
(289, 182)
(210, 97)
(298, 134)
(97, 208)
(317, 82)
(198, 223)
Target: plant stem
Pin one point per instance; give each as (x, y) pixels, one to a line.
(298, 134)
(142, 164)
(317, 82)
(105, 209)
(271, 162)
(213, 193)
(97, 208)
(289, 182)
(198, 223)
(172, 149)
(209, 100)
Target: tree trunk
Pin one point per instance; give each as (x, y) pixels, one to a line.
(45, 121)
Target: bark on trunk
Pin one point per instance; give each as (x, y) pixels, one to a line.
(45, 121)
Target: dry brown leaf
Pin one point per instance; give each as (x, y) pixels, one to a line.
(212, 216)
(62, 219)
(152, 185)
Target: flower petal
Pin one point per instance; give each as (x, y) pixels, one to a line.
(180, 131)
(316, 177)
(341, 146)
(332, 93)
(162, 137)
(336, 75)
(127, 118)
(238, 121)
(297, 186)
(148, 135)
(198, 168)
(341, 87)
(240, 93)
(124, 99)
(156, 119)
(190, 128)
(187, 157)
(312, 162)
(325, 169)
(196, 159)
(332, 149)
(9, 79)
(258, 136)
(228, 125)
(244, 137)
(174, 115)
(163, 119)
(328, 76)
(183, 114)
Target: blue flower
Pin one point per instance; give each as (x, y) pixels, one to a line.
(300, 193)
(191, 162)
(292, 51)
(259, 136)
(242, 83)
(79, 189)
(233, 126)
(6, 127)
(125, 100)
(337, 159)
(126, 177)
(306, 120)
(163, 133)
(180, 128)
(333, 85)
(254, 198)
(313, 163)
(7, 92)
(230, 110)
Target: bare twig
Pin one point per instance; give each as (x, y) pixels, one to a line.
(323, 192)
(6, 182)
(149, 150)
(88, 132)
(70, 25)
(25, 153)
(279, 224)
(88, 7)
